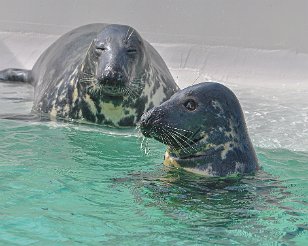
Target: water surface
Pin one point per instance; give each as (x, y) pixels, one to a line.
(69, 184)
(66, 183)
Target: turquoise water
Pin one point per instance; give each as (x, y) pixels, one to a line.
(66, 184)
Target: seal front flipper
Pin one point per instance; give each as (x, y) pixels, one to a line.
(23, 117)
(16, 75)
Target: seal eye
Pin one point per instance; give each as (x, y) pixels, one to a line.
(131, 51)
(190, 104)
(100, 49)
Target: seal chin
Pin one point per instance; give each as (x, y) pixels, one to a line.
(190, 152)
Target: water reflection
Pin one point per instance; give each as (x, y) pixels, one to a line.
(251, 208)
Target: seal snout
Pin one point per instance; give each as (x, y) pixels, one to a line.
(113, 81)
(112, 77)
(146, 124)
(149, 122)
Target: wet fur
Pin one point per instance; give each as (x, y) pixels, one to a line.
(211, 140)
(68, 82)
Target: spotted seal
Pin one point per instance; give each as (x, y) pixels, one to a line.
(102, 73)
(205, 130)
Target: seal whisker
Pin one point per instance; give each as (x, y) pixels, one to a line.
(127, 33)
(166, 134)
(87, 76)
(128, 92)
(132, 92)
(144, 146)
(177, 130)
(137, 128)
(189, 142)
(169, 126)
(84, 72)
(87, 80)
(182, 147)
(137, 85)
(195, 133)
(130, 34)
(183, 136)
(180, 138)
(166, 138)
(196, 78)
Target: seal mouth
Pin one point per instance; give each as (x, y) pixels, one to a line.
(184, 143)
(98, 90)
(187, 148)
(181, 141)
(114, 90)
(208, 151)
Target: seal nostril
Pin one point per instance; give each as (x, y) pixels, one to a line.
(145, 122)
(119, 77)
(112, 78)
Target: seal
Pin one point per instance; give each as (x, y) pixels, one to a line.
(100, 73)
(205, 130)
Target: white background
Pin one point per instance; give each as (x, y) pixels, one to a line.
(269, 24)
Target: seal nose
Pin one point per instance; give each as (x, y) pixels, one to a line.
(111, 77)
(146, 123)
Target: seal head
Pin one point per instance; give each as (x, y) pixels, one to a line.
(204, 128)
(114, 62)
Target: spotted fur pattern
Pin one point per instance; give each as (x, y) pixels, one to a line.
(65, 86)
(211, 139)
(70, 99)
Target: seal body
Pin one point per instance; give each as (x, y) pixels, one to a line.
(204, 128)
(105, 74)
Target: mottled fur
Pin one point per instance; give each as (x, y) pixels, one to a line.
(208, 136)
(105, 74)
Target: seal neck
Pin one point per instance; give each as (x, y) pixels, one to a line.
(233, 155)
(209, 154)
